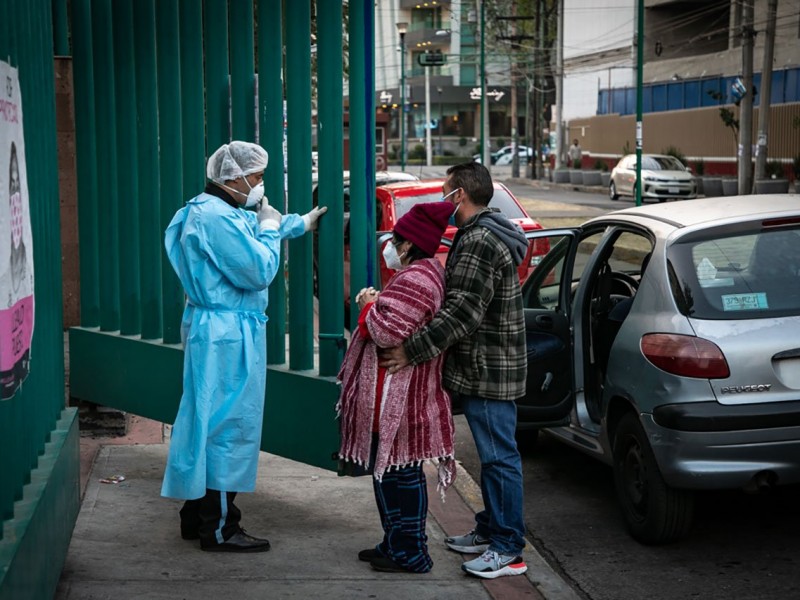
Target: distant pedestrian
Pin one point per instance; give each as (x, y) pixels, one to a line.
(575, 154)
(225, 258)
(393, 423)
(482, 326)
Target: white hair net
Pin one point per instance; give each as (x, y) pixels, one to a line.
(235, 160)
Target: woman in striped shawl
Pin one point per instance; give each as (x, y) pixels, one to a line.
(393, 423)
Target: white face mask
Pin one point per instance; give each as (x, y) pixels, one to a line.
(391, 258)
(446, 196)
(256, 194)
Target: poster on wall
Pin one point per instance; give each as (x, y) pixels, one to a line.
(16, 241)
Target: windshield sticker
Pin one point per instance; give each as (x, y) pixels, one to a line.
(755, 301)
(707, 275)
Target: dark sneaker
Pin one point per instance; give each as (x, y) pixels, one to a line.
(491, 565)
(238, 542)
(470, 543)
(368, 554)
(387, 565)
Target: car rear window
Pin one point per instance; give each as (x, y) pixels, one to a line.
(501, 200)
(750, 275)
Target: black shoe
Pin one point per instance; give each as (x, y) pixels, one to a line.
(238, 542)
(368, 554)
(387, 565)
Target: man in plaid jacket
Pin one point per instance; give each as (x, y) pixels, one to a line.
(482, 324)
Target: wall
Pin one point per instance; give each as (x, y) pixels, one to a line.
(697, 133)
(67, 191)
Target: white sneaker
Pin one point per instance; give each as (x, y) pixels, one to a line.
(469, 543)
(491, 565)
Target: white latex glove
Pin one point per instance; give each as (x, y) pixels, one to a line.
(310, 218)
(268, 217)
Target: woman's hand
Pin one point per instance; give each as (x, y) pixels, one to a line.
(365, 296)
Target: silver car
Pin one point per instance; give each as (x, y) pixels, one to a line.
(665, 341)
(665, 177)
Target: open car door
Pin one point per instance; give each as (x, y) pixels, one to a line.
(547, 294)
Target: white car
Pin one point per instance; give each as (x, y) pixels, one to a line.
(664, 176)
(505, 155)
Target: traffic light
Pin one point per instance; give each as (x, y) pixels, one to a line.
(432, 58)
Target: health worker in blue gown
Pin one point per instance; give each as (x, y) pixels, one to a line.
(225, 257)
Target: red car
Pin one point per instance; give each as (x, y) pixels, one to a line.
(395, 200)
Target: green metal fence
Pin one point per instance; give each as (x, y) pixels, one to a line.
(164, 83)
(39, 495)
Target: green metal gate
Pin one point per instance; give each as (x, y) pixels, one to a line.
(39, 477)
(159, 85)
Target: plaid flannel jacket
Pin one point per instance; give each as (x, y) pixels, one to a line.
(481, 321)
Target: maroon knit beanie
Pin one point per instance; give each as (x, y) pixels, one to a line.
(424, 225)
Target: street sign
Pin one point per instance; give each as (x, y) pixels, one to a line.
(432, 58)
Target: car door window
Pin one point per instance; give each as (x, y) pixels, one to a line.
(542, 289)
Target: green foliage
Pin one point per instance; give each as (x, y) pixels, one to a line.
(773, 170)
(462, 141)
(418, 151)
(600, 165)
(577, 163)
(450, 160)
(675, 152)
(626, 149)
(500, 142)
(699, 167)
(726, 115)
(796, 165)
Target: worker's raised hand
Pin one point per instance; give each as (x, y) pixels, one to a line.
(268, 217)
(310, 218)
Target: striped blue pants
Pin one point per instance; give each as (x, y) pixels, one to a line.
(402, 498)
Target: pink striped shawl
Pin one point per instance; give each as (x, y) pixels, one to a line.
(415, 421)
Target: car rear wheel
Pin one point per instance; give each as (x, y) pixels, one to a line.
(654, 512)
(612, 191)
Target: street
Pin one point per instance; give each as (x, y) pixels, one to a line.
(741, 545)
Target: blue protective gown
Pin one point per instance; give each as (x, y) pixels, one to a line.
(225, 265)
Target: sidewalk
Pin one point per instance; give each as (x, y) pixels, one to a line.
(126, 543)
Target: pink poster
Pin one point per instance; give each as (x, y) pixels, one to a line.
(16, 241)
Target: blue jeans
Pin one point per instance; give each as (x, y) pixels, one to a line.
(493, 423)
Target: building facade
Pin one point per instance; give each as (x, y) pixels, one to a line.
(451, 28)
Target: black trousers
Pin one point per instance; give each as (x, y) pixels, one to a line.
(213, 518)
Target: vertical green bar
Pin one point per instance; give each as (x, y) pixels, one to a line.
(60, 28)
(270, 126)
(362, 172)
(192, 97)
(127, 169)
(170, 131)
(105, 111)
(144, 23)
(86, 161)
(298, 115)
(331, 228)
(216, 56)
(242, 72)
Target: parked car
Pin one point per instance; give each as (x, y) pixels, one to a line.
(395, 200)
(698, 387)
(506, 154)
(665, 177)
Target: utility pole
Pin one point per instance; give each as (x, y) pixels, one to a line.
(559, 85)
(639, 85)
(428, 146)
(746, 116)
(485, 158)
(515, 40)
(766, 92)
(514, 119)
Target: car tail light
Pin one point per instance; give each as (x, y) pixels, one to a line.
(541, 246)
(685, 355)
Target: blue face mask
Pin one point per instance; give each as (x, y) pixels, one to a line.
(452, 220)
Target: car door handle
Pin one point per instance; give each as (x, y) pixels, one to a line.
(544, 321)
